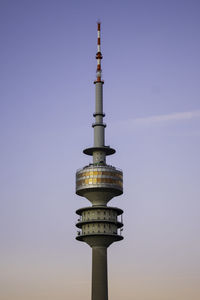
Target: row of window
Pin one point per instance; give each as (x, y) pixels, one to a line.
(99, 215)
(99, 180)
(96, 173)
(113, 232)
(107, 218)
(98, 225)
(93, 212)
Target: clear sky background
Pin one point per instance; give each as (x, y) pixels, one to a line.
(151, 68)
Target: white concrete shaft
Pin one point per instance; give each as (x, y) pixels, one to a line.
(99, 97)
(99, 139)
(100, 197)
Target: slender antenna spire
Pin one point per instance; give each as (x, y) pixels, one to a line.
(99, 151)
(98, 55)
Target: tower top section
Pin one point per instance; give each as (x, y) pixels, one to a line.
(99, 151)
(99, 182)
(98, 55)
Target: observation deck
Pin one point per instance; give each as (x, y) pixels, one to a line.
(99, 177)
(99, 224)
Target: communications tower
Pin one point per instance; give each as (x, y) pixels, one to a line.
(99, 225)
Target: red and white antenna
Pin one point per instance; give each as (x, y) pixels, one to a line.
(99, 55)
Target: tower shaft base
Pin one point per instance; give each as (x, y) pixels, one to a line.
(99, 273)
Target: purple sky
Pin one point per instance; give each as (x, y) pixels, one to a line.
(151, 68)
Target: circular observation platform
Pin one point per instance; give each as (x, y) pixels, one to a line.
(100, 239)
(102, 223)
(106, 149)
(84, 212)
(99, 225)
(96, 178)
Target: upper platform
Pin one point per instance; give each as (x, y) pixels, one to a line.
(106, 149)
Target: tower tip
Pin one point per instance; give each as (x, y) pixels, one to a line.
(98, 55)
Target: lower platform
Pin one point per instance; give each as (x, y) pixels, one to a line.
(99, 240)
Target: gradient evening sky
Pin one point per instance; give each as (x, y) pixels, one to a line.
(151, 68)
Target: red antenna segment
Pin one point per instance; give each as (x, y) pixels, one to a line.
(98, 55)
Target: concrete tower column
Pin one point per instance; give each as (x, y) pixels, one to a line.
(99, 273)
(99, 99)
(99, 139)
(98, 224)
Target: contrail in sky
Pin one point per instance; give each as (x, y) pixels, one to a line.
(135, 123)
(178, 116)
